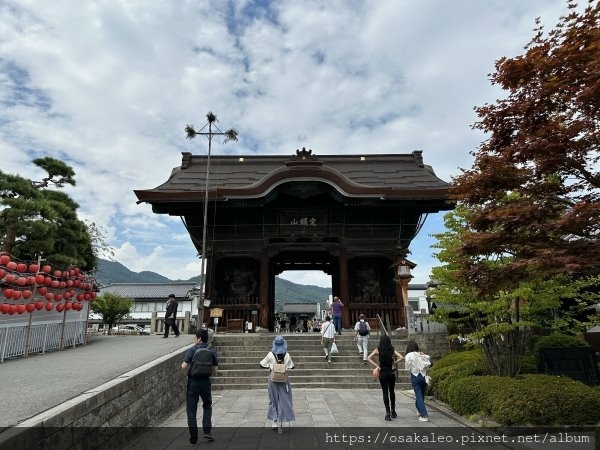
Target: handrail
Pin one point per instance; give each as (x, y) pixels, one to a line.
(381, 324)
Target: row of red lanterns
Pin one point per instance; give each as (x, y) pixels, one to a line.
(11, 308)
(16, 294)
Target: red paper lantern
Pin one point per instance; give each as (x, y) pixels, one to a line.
(21, 267)
(8, 293)
(30, 307)
(11, 265)
(57, 273)
(4, 259)
(39, 278)
(4, 308)
(26, 294)
(2, 273)
(31, 280)
(49, 306)
(92, 295)
(16, 294)
(12, 309)
(10, 278)
(39, 305)
(49, 296)
(60, 307)
(79, 297)
(68, 305)
(20, 309)
(69, 283)
(33, 268)
(57, 297)
(54, 283)
(21, 281)
(46, 268)
(42, 290)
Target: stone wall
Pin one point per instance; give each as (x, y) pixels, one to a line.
(435, 345)
(109, 415)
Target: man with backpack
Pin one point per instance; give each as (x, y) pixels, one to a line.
(362, 331)
(201, 362)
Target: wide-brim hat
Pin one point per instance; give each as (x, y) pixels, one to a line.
(279, 345)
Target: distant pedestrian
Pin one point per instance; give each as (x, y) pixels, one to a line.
(198, 386)
(362, 332)
(336, 311)
(171, 316)
(417, 363)
(327, 337)
(281, 402)
(388, 358)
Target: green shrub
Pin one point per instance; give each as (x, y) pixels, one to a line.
(545, 400)
(454, 366)
(475, 394)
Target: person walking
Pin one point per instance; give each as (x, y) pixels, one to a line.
(171, 316)
(361, 336)
(281, 402)
(417, 363)
(327, 337)
(388, 358)
(198, 386)
(336, 310)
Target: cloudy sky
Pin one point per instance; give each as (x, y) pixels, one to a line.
(108, 86)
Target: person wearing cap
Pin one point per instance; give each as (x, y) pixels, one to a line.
(281, 404)
(170, 316)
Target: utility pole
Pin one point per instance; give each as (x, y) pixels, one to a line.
(191, 133)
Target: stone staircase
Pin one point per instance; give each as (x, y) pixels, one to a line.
(240, 354)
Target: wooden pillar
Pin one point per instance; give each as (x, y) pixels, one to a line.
(344, 292)
(402, 298)
(263, 293)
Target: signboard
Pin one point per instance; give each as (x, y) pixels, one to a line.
(216, 312)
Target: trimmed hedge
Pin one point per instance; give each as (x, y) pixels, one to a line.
(461, 381)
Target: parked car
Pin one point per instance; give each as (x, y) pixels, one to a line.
(130, 329)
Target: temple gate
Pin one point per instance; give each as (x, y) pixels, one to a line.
(351, 216)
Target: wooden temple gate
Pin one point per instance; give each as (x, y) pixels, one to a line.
(351, 216)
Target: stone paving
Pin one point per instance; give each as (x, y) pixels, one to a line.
(337, 418)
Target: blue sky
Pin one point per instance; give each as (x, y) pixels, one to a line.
(108, 86)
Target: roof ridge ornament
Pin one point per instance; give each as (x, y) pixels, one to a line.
(304, 154)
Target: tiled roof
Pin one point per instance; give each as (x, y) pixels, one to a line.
(391, 175)
(149, 290)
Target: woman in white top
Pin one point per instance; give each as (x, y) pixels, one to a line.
(281, 403)
(327, 337)
(417, 363)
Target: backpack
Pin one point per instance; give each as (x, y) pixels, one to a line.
(278, 373)
(362, 329)
(202, 363)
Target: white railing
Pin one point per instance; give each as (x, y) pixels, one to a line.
(43, 337)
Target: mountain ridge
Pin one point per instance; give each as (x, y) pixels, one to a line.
(110, 272)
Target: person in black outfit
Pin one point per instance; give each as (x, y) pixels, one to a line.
(199, 387)
(388, 358)
(171, 316)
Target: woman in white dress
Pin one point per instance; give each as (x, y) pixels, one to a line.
(281, 404)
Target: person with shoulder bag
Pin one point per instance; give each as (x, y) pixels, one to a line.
(327, 337)
(281, 403)
(386, 372)
(417, 363)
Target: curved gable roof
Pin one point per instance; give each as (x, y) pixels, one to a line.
(391, 176)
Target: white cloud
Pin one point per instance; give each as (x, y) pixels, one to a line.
(109, 87)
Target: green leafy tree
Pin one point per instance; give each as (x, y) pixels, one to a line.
(37, 220)
(500, 320)
(112, 307)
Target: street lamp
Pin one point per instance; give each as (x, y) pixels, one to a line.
(402, 276)
(191, 133)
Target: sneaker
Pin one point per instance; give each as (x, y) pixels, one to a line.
(274, 426)
(193, 441)
(365, 362)
(209, 437)
(388, 418)
(423, 419)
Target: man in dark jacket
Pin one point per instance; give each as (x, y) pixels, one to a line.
(199, 387)
(170, 316)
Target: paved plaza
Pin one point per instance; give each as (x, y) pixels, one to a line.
(325, 418)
